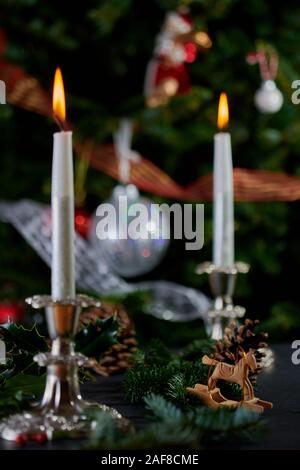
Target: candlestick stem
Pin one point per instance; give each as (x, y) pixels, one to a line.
(222, 283)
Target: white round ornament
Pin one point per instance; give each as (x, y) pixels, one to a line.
(268, 98)
(127, 252)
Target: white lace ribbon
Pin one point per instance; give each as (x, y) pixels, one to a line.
(124, 152)
(170, 301)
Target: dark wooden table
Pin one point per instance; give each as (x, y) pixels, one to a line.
(279, 384)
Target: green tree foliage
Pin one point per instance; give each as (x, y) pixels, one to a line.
(103, 48)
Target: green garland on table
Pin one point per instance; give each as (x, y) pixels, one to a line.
(159, 379)
(196, 428)
(156, 370)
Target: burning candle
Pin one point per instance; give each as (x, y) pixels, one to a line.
(62, 200)
(223, 213)
(2, 352)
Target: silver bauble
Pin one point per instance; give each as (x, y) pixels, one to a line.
(268, 99)
(132, 257)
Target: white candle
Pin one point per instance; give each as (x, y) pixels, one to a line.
(2, 352)
(223, 200)
(62, 202)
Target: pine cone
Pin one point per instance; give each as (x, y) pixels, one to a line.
(118, 357)
(239, 339)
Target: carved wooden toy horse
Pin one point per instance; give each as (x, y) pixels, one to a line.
(237, 373)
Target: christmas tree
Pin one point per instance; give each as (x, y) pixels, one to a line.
(103, 48)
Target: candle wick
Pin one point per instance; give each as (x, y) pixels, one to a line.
(61, 124)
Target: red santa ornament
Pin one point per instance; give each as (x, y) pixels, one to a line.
(176, 44)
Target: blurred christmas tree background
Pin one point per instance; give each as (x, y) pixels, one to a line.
(103, 47)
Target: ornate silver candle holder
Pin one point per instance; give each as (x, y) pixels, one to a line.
(62, 411)
(222, 283)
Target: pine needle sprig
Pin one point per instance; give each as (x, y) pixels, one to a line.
(163, 409)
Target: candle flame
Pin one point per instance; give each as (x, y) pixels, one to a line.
(223, 113)
(59, 101)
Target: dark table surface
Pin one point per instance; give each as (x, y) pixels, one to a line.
(279, 383)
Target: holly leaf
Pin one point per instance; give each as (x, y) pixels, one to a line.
(21, 345)
(97, 337)
(26, 339)
(23, 385)
(19, 391)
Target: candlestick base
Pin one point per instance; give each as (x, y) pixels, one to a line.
(62, 412)
(222, 283)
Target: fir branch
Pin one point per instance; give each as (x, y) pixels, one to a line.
(107, 434)
(177, 389)
(160, 436)
(141, 381)
(223, 419)
(198, 348)
(173, 427)
(152, 374)
(156, 353)
(163, 409)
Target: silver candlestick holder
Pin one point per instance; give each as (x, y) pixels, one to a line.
(222, 283)
(62, 411)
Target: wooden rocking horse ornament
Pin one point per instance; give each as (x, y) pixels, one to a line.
(239, 374)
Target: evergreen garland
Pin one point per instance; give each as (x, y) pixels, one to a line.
(197, 428)
(158, 378)
(156, 370)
